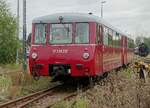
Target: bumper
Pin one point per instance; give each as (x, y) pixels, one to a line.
(74, 70)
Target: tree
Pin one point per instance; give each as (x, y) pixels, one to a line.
(138, 40)
(147, 41)
(8, 39)
(143, 38)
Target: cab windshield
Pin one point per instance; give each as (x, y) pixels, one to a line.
(60, 33)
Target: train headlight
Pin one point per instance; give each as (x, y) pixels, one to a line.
(86, 55)
(34, 55)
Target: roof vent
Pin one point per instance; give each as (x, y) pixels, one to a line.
(90, 13)
(61, 19)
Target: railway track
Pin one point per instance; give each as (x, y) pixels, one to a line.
(23, 102)
(45, 98)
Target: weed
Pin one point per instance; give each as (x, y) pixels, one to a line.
(5, 84)
(62, 104)
(80, 102)
(18, 84)
(10, 66)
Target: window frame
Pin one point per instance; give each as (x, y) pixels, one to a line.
(75, 32)
(117, 40)
(46, 33)
(49, 36)
(130, 43)
(110, 36)
(105, 31)
(99, 39)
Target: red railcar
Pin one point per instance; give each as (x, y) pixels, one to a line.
(77, 45)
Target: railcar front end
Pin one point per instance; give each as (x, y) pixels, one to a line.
(63, 50)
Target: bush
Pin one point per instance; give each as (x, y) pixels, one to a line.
(8, 39)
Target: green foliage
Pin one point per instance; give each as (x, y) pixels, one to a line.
(13, 66)
(8, 39)
(138, 40)
(19, 84)
(62, 104)
(147, 41)
(80, 103)
(5, 83)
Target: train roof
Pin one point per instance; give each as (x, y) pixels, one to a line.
(74, 17)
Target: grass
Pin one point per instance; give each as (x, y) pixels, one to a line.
(78, 102)
(30, 85)
(62, 104)
(122, 89)
(18, 84)
(10, 66)
(5, 84)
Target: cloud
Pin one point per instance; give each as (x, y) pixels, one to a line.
(126, 15)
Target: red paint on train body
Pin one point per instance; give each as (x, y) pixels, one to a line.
(100, 49)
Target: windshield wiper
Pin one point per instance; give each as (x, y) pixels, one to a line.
(66, 28)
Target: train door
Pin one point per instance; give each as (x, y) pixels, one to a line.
(125, 50)
(99, 42)
(106, 50)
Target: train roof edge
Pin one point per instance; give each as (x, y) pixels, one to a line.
(75, 17)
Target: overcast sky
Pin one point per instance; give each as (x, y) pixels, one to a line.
(131, 16)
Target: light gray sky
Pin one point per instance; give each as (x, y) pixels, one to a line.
(131, 16)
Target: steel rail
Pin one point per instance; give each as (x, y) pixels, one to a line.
(64, 99)
(25, 99)
(33, 100)
(70, 96)
(50, 93)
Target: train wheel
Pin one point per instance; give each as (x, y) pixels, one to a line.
(91, 81)
(105, 75)
(35, 75)
(124, 66)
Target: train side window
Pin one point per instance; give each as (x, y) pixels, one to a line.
(40, 34)
(97, 34)
(127, 43)
(130, 43)
(105, 36)
(117, 39)
(119, 43)
(114, 39)
(110, 34)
